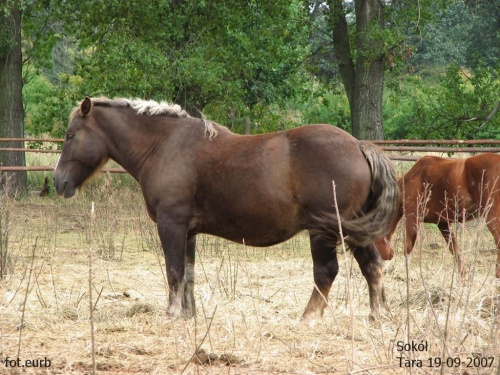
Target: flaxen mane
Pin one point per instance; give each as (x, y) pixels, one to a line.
(149, 108)
(143, 107)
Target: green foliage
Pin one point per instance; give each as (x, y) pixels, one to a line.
(324, 106)
(445, 41)
(39, 35)
(47, 106)
(227, 59)
(270, 63)
(483, 48)
(453, 107)
(466, 33)
(457, 78)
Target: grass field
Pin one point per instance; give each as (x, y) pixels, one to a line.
(249, 301)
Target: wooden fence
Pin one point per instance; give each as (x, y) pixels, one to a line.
(407, 146)
(39, 150)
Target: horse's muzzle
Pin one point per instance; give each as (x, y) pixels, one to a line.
(64, 187)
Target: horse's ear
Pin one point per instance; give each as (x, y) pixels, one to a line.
(86, 106)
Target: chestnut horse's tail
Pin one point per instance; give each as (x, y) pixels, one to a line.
(381, 206)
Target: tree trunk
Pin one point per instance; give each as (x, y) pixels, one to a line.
(246, 126)
(11, 103)
(363, 78)
(366, 109)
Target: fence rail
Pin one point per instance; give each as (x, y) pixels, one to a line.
(41, 168)
(438, 142)
(400, 145)
(54, 140)
(34, 150)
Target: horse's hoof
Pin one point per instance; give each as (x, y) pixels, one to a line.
(188, 314)
(174, 312)
(374, 317)
(310, 323)
(310, 319)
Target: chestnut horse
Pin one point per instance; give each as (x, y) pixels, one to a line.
(198, 177)
(442, 191)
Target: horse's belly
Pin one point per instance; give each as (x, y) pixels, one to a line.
(253, 230)
(453, 211)
(259, 239)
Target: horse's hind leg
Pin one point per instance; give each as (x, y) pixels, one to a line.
(325, 268)
(188, 302)
(371, 267)
(451, 240)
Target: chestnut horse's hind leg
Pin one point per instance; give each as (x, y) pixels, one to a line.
(325, 268)
(451, 240)
(370, 262)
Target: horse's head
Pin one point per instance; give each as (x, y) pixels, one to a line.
(84, 151)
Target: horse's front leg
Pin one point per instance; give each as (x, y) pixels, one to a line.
(173, 235)
(451, 240)
(188, 303)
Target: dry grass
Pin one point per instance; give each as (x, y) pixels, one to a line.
(249, 301)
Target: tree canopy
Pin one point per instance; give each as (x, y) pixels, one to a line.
(271, 65)
(231, 60)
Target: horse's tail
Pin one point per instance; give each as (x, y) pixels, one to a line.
(381, 206)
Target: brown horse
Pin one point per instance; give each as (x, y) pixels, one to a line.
(198, 177)
(442, 191)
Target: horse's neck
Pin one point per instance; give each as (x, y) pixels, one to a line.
(129, 143)
(133, 138)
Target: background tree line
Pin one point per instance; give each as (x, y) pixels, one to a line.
(378, 69)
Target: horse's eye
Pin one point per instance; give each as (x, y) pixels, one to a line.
(69, 135)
